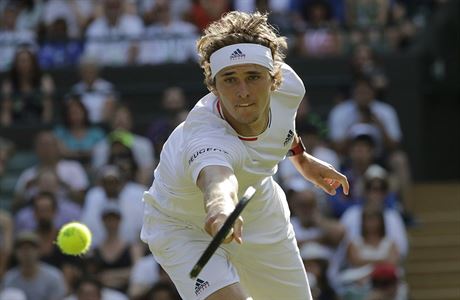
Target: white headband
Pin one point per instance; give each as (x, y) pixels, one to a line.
(238, 54)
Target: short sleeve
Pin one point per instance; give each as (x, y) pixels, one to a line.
(211, 151)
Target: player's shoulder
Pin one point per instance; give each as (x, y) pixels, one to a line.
(292, 84)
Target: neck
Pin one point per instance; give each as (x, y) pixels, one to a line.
(253, 129)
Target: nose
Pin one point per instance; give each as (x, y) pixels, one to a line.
(243, 91)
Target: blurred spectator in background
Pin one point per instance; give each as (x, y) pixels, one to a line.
(364, 111)
(376, 190)
(39, 281)
(161, 291)
(361, 155)
(387, 284)
(280, 12)
(90, 288)
(29, 15)
(12, 293)
(204, 12)
(310, 225)
(58, 50)
(373, 245)
(114, 256)
(113, 37)
(114, 188)
(141, 147)
(179, 10)
(144, 274)
(364, 14)
(11, 38)
(319, 35)
(97, 94)
(6, 240)
(364, 63)
(316, 260)
(122, 156)
(47, 187)
(71, 174)
(6, 151)
(174, 110)
(76, 15)
(27, 94)
(76, 135)
(168, 39)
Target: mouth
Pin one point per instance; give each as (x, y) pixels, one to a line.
(244, 104)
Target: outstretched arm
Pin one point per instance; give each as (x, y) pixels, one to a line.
(220, 190)
(317, 171)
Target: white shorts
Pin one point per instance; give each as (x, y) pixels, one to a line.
(265, 271)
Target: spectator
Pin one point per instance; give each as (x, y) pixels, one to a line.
(27, 93)
(29, 15)
(58, 50)
(77, 137)
(6, 240)
(114, 189)
(316, 260)
(320, 37)
(114, 256)
(75, 14)
(141, 147)
(70, 173)
(373, 245)
(310, 225)
(363, 110)
(144, 274)
(364, 13)
(168, 40)
(364, 63)
(89, 288)
(11, 37)
(47, 186)
(121, 155)
(112, 38)
(6, 151)
(361, 156)
(376, 187)
(173, 104)
(387, 284)
(97, 94)
(205, 12)
(179, 10)
(38, 280)
(162, 291)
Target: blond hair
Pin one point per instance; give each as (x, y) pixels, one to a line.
(239, 27)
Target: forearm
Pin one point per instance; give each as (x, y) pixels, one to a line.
(220, 195)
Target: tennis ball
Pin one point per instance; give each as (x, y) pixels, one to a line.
(74, 238)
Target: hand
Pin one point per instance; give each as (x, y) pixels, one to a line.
(215, 221)
(325, 176)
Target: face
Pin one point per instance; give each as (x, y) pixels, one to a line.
(47, 147)
(244, 93)
(361, 153)
(24, 62)
(122, 119)
(305, 205)
(363, 94)
(76, 113)
(111, 222)
(376, 192)
(27, 254)
(44, 209)
(89, 291)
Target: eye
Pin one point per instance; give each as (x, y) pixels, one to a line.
(230, 80)
(254, 77)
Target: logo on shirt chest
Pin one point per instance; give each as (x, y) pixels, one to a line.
(289, 137)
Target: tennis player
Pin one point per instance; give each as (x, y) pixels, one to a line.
(233, 138)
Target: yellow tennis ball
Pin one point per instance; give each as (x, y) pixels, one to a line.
(74, 238)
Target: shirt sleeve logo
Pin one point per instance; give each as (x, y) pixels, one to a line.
(289, 137)
(203, 151)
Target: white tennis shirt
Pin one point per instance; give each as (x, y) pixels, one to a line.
(206, 139)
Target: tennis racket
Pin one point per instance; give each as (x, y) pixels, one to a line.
(223, 232)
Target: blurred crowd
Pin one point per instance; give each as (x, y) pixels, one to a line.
(121, 32)
(91, 166)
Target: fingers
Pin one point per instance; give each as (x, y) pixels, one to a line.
(335, 179)
(214, 224)
(238, 230)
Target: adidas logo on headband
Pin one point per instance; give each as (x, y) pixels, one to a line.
(237, 54)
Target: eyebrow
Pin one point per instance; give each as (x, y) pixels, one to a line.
(247, 72)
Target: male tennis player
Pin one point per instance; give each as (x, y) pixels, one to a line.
(234, 138)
